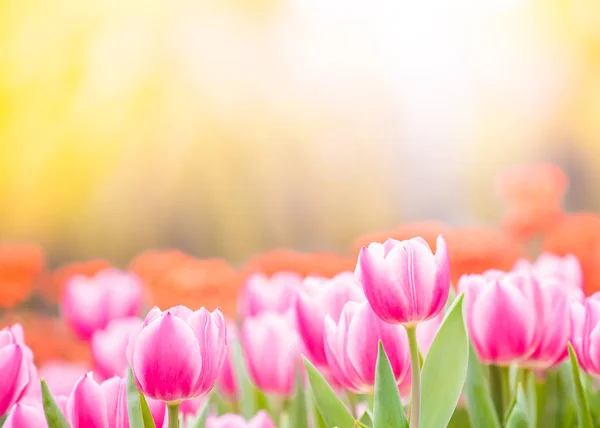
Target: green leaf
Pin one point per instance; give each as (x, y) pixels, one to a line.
(445, 369)
(199, 420)
(480, 405)
(134, 403)
(146, 415)
(298, 410)
(517, 414)
(584, 415)
(54, 416)
(332, 409)
(367, 419)
(318, 421)
(247, 395)
(387, 407)
(460, 419)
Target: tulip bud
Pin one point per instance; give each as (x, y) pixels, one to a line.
(114, 391)
(25, 416)
(565, 270)
(260, 420)
(404, 282)
(89, 304)
(585, 334)
(501, 318)
(272, 351)
(277, 293)
(15, 368)
(86, 407)
(318, 298)
(109, 346)
(178, 353)
(352, 344)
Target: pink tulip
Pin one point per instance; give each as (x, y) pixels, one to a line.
(565, 270)
(178, 354)
(260, 420)
(109, 346)
(404, 282)
(115, 394)
(586, 334)
(277, 293)
(272, 351)
(552, 324)
(25, 416)
(15, 366)
(226, 381)
(33, 392)
(352, 344)
(318, 298)
(89, 304)
(86, 407)
(501, 317)
(61, 376)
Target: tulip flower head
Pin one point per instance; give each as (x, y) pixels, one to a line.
(318, 298)
(16, 366)
(177, 354)
(585, 333)
(260, 420)
(404, 282)
(501, 317)
(272, 350)
(352, 345)
(89, 304)
(25, 416)
(277, 293)
(226, 381)
(564, 269)
(109, 346)
(114, 391)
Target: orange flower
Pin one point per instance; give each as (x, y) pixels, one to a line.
(52, 284)
(174, 278)
(20, 265)
(578, 234)
(533, 195)
(471, 249)
(322, 264)
(48, 337)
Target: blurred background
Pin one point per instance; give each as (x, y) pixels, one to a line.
(225, 128)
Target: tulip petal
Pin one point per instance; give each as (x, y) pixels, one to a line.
(15, 376)
(86, 405)
(25, 416)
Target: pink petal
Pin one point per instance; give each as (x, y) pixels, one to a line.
(86, 406)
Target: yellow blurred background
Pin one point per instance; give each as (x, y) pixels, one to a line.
(234, 126)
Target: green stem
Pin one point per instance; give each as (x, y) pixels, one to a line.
(500, 389)
(532, 398)
(173, 415)
(415, 364)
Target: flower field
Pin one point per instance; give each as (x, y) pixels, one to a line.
(426, 325)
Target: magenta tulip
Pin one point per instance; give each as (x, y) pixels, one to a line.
(15, 366)
(61, 376)
(260, 420)
(178, 354)
(25, 416)
(89, 304)
(352, 344)
(272, 350)
(109, 346)
(586, 334)
(115, 395)
(318, 298)
(404, 282)
(277, 293)
(501, 317)
(226, 381)
(86, 407)
(33, 392)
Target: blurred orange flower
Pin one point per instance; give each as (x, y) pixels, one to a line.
(51, 286)
(48, 337)
(471, 249)
(175, 278)
(578, 234)
(533, 197)
(20, 265)
(322, 264)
